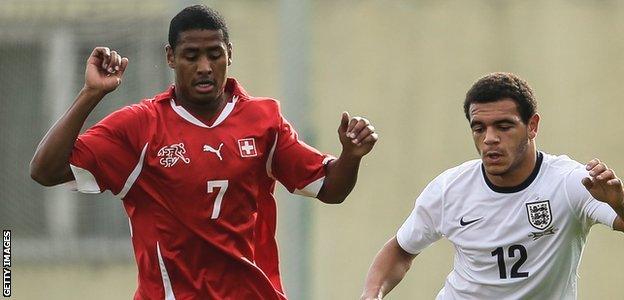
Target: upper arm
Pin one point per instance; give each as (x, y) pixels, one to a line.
(423, 226)
(104, 156)
(392, 254)
(298, 166)
(401, 254)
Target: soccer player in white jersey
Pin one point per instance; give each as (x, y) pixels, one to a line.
(518, 218)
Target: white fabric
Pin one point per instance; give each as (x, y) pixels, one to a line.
(269, 163)
(312, 189)
(503, 222)
(189, 117)
(165, 276)
(130, 225)
(134, 174)
(85, 181)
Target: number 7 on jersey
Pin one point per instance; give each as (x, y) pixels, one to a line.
(222, 185)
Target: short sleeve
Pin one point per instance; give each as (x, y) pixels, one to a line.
(589, 210)
(105, 155)
(422, 226)
(299, 167)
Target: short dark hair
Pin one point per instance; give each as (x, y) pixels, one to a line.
(497, 86)
(196, 17)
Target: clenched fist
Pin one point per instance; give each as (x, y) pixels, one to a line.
(104, 71)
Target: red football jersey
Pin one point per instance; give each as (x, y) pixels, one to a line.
(200, 197)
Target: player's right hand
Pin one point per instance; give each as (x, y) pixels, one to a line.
(357, 135)
(105, 68)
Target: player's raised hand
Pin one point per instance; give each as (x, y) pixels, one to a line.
(356, 135)
(603, 184)
(105, 69)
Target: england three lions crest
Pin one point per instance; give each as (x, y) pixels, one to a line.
(539, 214)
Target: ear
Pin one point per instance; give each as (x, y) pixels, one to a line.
(533, 125)
(229, 51)
(170, 56)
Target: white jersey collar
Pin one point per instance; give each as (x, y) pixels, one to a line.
(225, 112)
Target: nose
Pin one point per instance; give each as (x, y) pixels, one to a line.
(491, 136)
(204, 65)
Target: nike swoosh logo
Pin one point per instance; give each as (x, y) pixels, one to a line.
(464, 223)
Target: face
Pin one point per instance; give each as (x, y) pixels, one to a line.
(502, 139)
(200, 61)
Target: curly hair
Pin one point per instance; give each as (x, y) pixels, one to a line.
(196, 17)
(497, 86)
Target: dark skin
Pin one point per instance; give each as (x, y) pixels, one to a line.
(200, 61)
(50, 164)
(507, 148)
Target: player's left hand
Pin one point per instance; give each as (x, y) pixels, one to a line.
(356, 135)
(603, 184)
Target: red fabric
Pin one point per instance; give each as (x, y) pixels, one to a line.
(233, 256)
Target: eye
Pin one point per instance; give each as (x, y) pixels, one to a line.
(504, 127)
(215, 55)
(189, 53)
(190, 56)
(477, 129)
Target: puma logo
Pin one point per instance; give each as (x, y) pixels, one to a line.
(208, 148)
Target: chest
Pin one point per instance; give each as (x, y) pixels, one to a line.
(507, 238)
(189, 155)
(485, 221)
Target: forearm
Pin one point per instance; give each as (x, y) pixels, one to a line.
(50, 164)
(387, 270)
(340, 178)
(618, 223)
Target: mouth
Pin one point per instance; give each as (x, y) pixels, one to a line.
(204, 86)
(493, 157)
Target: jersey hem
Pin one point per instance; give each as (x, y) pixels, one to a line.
(404, 246)
(85, 181)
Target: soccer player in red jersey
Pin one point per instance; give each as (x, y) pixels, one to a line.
(196, 167)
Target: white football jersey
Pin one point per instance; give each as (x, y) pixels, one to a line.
(523, 242)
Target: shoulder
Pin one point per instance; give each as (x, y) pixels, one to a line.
(562, 165)
(131, 117)
(458, 177)
(260, 110)
(253, 106)
(244, 99)
(568, 171)
(150, 107)
(460, 173)
(135, 112)
(464, 170)
(264, 104)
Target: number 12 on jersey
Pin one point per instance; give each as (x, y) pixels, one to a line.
(222, 185)
(515, 269)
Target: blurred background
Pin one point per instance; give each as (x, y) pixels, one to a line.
(404, 64)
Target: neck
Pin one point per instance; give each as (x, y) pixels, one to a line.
(518, 173)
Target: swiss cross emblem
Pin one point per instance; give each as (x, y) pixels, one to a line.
(539, 214)
(247, 147)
